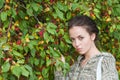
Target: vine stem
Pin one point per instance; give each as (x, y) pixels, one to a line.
(9, 26)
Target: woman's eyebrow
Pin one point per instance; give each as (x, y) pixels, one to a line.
(76, 37)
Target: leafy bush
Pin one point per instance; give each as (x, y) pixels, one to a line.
(34, 36)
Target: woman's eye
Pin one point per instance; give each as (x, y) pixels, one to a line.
(72, 39)
(80, 38)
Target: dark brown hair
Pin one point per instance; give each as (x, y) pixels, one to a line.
(85, 22)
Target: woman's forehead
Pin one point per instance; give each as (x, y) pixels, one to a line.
(77, 31)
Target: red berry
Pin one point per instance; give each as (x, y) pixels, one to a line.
(17, 29)
(41, 33)
(18, 42)
(51, 1)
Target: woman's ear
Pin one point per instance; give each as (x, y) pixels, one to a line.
(93, 36)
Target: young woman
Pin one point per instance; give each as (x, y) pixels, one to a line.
(91, 64)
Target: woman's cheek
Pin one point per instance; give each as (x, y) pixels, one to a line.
(73, 44)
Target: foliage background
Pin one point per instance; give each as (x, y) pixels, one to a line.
(34, 36)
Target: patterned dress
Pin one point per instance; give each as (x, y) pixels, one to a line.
(88, 72)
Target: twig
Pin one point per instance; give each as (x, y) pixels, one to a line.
(32, 14)
(36, 18)
(10, 24)
(1, 10)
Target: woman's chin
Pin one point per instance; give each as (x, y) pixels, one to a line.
(81, 52)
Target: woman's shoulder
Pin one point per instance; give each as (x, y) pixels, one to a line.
(104, 55)
(107, 55)
(108, 59)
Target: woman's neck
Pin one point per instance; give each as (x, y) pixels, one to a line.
(92, 52)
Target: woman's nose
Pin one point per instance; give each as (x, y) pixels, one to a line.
(77, 43)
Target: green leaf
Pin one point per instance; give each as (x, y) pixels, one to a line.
(63, 47)
(46, 35)
(1, 78)
(6, 24)
(30, 46)
(62, 7)
(29, 68)
(60, 14)
(16, 70)
(116, 10)
(53, 52)
(38, 0)
(24, 26)
(69, 15)
(76, 1)
(51, 25)
(61, 31)
(35, 6)
(31, 73)
(6, 66)
(51, 38)
(51, 31)
(48, 62)
(98, 6)
(4, 16)
(16, 53)
(5, 47)
(1, 55)
(19, 47)
(33, 52)
(66, 68)
(97, 12)
(112, 28)
(118, 27)
(42, 54)
(13, 12)
(66, 38)
(24, 71)
(51, 28)
(2, 41)
(45, 72)
(30, 11)
(109, 2)
(21, 61)
(21, 14)
(34, 42)
(36, 61)
(42, 61)
(26, 49)
(2, 3)
(75, 5)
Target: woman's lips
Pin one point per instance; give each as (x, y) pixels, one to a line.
(79, 49)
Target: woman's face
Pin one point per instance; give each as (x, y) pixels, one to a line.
(82, 41)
